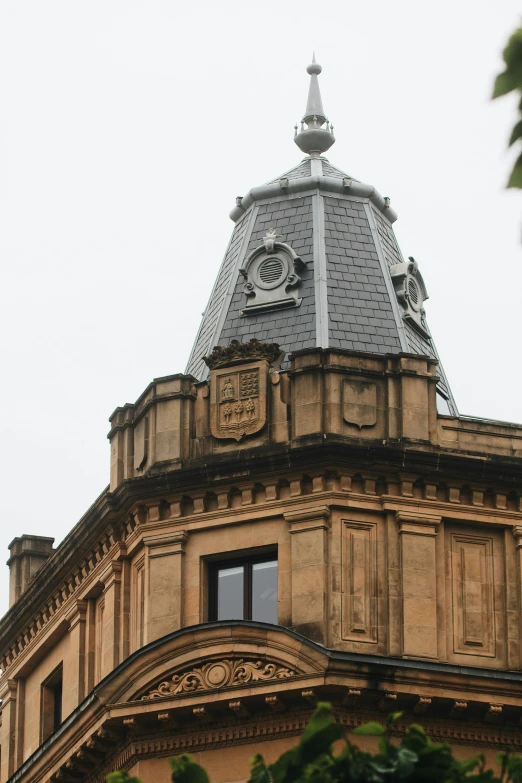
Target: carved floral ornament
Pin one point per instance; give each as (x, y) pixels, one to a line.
(219, 674)
(237, 353)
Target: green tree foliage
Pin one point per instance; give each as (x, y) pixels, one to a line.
(121, 777)
(415, 759)
(510, 80)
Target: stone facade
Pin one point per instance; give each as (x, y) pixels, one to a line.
(293, 519)
(398, 537)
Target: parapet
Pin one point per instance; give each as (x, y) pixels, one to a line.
(248, 402)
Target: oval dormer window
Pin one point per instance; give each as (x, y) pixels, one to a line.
(270, 272)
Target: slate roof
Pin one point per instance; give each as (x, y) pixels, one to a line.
(347, 296)
(342, 230)
(303, 169)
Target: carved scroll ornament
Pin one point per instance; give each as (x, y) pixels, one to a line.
(219, 674)
(239, 353)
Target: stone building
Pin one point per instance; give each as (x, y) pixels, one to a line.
(302, 515)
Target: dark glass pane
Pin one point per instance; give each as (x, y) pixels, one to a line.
(57, 693)
(264, 592)
(230, 593)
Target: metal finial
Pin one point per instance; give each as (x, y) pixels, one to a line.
(315, 139)
(314, 68)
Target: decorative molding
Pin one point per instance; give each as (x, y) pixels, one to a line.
(473, 594)
(411, 293)
(166, 544)
(417, 522)
(243, 731)
(302, 519)
(219, 674)
(240, 353)
(271, 275)
(360, 584)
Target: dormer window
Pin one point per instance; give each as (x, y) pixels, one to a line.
(271, 275)
(411, 294)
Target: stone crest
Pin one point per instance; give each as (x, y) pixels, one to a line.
(360, 403)
(238, 400)
(238, 387)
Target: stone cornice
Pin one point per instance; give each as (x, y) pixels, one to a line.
(328, 185)
(229, 734)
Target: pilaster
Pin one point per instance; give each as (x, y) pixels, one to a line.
(165, 552)
(309, 554)
(415, 418)
(74, 665)
(8, 694)
(419, 590)
(110, 655)
(517, 534)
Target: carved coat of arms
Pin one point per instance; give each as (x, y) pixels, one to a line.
(238, 387)
(238, 400)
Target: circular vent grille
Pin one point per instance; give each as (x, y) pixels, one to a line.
(271, 270)
(413, 291)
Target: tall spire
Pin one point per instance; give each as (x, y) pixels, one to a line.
(314, 139)
(314, 105)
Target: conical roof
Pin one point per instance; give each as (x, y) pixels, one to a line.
(313, 261)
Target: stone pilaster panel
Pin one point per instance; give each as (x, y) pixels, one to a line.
(417, 538)
(165, 552)
(309, 553)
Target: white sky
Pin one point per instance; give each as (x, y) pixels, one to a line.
(127, 128)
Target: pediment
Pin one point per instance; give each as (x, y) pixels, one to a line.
(212, 659)
(218, 674)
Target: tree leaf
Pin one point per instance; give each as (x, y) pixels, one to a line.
(515, 179)
(185, 770)
(514, 767)
(504, 83)
(259, 772)
(516, 133)
(370, 729)
(320, 733)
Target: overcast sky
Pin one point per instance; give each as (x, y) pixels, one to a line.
(127, 129)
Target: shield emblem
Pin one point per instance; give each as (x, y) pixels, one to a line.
(238, 400)
(360, 403)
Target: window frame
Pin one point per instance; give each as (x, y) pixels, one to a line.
(233, 562)
(51, 703)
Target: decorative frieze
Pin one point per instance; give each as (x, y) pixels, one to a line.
(219, 674)
(244, 730)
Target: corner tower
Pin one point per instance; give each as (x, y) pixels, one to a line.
(313, 262)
